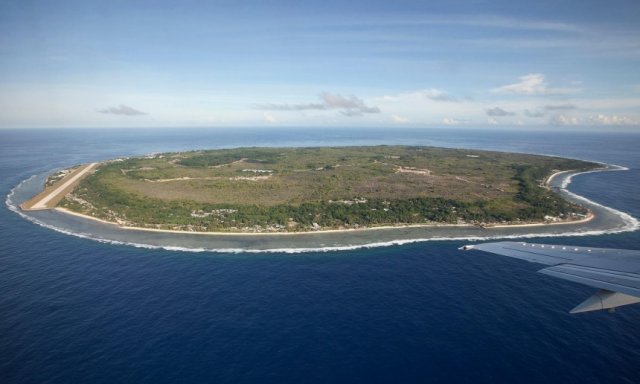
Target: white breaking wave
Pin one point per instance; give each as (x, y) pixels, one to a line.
(630, 224)
(609, 168)
(9, 200)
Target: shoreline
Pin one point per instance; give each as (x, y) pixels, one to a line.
(547, 182)
(588, 218)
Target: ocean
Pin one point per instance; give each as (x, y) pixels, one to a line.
(75, 310)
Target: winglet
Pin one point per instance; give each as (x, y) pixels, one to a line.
(604, 299)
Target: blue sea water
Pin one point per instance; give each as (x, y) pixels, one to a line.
(74, 310)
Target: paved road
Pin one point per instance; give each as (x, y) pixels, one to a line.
(60, 190)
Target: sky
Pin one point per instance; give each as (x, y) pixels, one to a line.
(509, 64)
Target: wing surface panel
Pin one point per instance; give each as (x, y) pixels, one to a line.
(615, 272)
(616, 281)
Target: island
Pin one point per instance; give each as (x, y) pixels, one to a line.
(293, 190)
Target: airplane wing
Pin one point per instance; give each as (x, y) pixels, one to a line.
(615, 272)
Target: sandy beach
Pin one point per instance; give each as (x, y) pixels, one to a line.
(588, 218)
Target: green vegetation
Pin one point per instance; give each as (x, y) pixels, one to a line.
(298, 189)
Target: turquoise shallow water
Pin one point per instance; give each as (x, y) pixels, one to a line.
(77, 310)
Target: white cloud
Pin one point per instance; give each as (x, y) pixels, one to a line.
(351, 103)
(480, 20)
(436, 95)
(123, 110)
(498, 112)
(610, 103)
(562, 119)
(560, 107)
(450, 121)
(532, 84)
(269, 118)
(601, 119)
(348, 106)
(399, 119)
(534, 113)
(432, 94)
